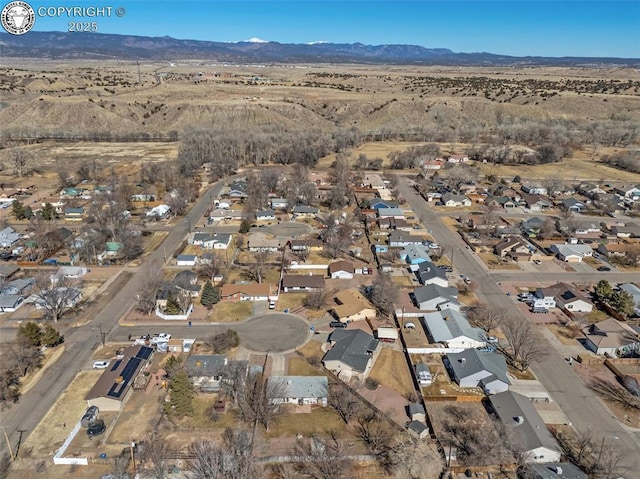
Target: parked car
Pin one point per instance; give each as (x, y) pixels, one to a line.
(337, 324)
(272, 304)
(101, 364)
(165, 336)
(539, 310)
(604, 268)
(416, 227)
(537, 261)
(492, 339)
(411, 217)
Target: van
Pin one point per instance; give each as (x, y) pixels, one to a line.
(100, 364)
(337, 324)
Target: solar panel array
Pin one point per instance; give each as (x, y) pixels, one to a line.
(116, 364)
(144, 352)
(127, 374)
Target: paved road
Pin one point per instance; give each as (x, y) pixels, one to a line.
(577, 401)
(80, 342)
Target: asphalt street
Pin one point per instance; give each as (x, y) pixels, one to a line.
(578, 402)
(80, 342)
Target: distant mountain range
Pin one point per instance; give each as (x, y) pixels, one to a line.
(62, 45)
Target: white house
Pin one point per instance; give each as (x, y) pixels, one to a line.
(571, 253)
(451, 328)
(8, 236)
(279, 203)
(424, 374)
(69, 272)
(341, 270)
(300, 390)
(10, 302)
(534, 189)
(474, 368)
(517, 413)
(186, 259)
(452, 200)
(160, 211)
(217, 241)
(265, 215)
(374, 181)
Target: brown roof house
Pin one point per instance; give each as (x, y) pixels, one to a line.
(249, 292)
(511, 245)
(302, 282)
(115, 384)
(612, 337)
(341, 270)
(352, 306)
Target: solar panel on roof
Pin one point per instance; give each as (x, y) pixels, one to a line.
(144, 352)
(116, 364)
(127, 374)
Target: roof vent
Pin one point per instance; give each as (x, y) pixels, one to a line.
(557, 470)
(463, 360)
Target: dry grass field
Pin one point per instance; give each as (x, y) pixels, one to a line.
(391, 370)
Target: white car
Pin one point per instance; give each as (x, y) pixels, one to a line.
(165, 336)
(101, 364)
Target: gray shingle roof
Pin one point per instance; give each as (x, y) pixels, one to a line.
(433, 291)
(510, 407)
(205, 365)
(427, 271)
(557, 470)
(352, 347)
(299, 386)
(471, 361)
(449, 324)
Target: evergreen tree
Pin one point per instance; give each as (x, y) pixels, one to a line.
(48, 212)
(172, 306)
(18, 210)
(245, 226)
(172, 365)
(210, 295)
(603, 290)
(32, 333)
(622, 302)
(181, 395)
(51, 336)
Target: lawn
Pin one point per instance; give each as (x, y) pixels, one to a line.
(563, 334)
(596, 316)
(290, 301)
(320, 420)
(300, 367)
(493, 262)
(310, 350)
(229, 311)
(391, 370)
(51, 355)
(202, 417)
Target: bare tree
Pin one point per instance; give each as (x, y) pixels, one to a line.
(20, 159)
(374, 431)
(525, 344)
(486, 317)
(119, 466)
(616, 393)
(208, 460)
(344, 401)
(56, 295)
(259, 266)
(259, 403)
(315, 300)
(146, 297)
(320, 457)
(383, 293)
(457, 176)
(157, 451)
(611, 462)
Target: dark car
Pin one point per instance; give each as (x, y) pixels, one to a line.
(604, 268)
(96, 428)
(337, 324)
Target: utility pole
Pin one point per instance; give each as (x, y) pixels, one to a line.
(21, 431)
(13, 458)
(103, 335)
(133, 457)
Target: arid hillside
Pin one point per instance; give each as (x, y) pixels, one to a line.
(85, 99)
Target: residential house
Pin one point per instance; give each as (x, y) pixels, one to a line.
(341, 270)
(627, 230)
(206, 371)
(187, 281)
(299, 390)
(373, 181)
(70, 192)
(424, 374)
(353, 353)
(433, 164)
(74, 214)
(304, 211)
(502, 201)
(69, 272)
(8, 236)
(587, 228)
(249, 292)
(533, 226)
(217, 241)
(536, 202)
(7, 270)
(590, 190)
(519, 416)
(232, 215)
(612, 337)
(474, 368)
(634, 291)
(432, 297)
(428, 273)
(570, 298)
(572, 204)
(114, 386)
(534, 189)
(451, 328)
(544, 298)
(398, 239)
(571, 253)
(309, 244)
(616, 249)
(380, 248)
(143, 197)
(10, 302)
(394, 224)
(395, 213)
(457, 159)
(279, 203)
(18, 286)
(378, 203)
(265, 215)
(628, 191)
(453, 200)
(415, 254)
(238, 189)
(159, 212)
(262, 242)
(302, 282)
(73, 297)
(352, 306)
(556, 470)
(510, 246)
(186, 259)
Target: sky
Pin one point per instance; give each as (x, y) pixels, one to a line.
(520, 28)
